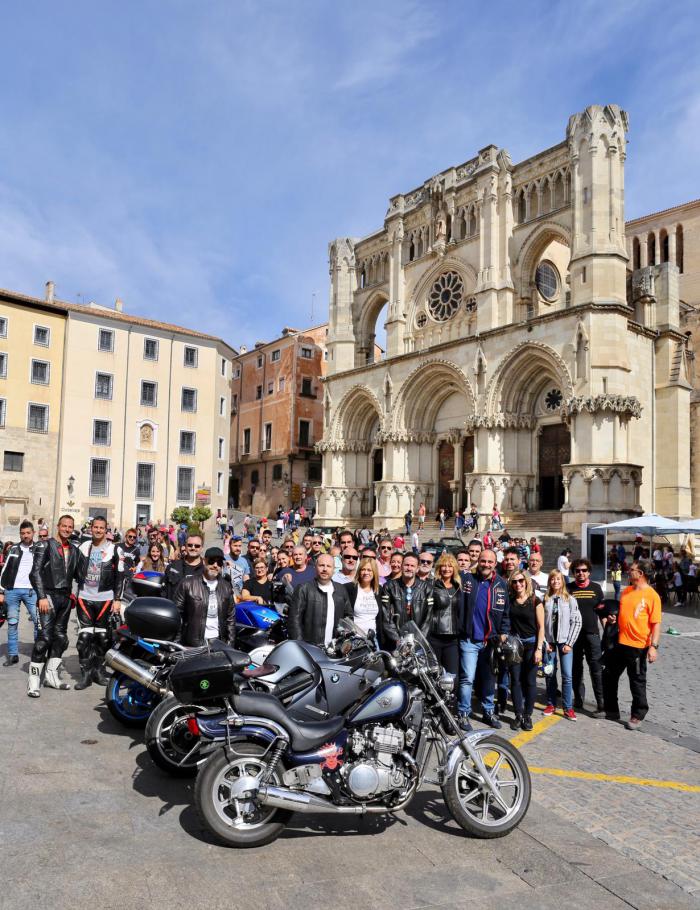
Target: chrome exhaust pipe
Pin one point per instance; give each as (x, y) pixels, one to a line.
(302, 801)
(123, 664)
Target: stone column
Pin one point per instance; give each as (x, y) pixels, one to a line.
(672, 245)
(457, 473)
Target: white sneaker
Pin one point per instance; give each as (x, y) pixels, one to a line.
(53, 675)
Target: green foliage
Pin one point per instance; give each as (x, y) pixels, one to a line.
(200, 514)
(181, 515)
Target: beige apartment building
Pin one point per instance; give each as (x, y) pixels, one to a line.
(142, 415)
(31, 378)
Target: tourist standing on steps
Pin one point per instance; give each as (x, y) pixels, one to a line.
(562, 626)
(591, 603)
(100, 586)
(53, 569)
(639, 630)
(16, 589)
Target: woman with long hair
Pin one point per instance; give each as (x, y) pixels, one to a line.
(258, 588)
(562, 625)
(447, 612)
(364, 596)
(154, 560)
(527, 622)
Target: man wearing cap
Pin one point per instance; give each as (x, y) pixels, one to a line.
(207, 604)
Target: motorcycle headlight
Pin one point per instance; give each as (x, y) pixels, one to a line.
(447, 682)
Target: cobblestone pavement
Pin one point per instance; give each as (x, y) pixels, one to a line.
(86, 821)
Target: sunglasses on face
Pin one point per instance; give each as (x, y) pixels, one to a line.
(193, 546)
(215, 562)
(581, 571)
(353, 558)
(425, 562)
(518, 581)
(384, 549)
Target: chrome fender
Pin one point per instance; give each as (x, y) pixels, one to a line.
(455, 753)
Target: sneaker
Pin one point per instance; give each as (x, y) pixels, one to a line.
(570, 714)
(464, 723)
(634, 723)
(599, 713)
(548, 711)
(490, 719)
(10, 660)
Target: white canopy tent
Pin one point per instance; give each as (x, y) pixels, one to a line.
(651, 525)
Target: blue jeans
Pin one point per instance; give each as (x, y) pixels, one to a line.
(473, 659)
(567, 690)
(13, 599)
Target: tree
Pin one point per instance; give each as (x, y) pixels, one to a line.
(200, 514)
(181, 515)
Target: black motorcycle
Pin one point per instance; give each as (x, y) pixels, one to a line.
(371, 759)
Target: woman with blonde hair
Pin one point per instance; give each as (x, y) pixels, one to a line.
(447, 612)
(364, 596)
(562, 625)
(527, 622)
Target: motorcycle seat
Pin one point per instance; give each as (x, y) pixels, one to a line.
(303, 736)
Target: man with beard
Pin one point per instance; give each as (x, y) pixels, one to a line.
(207, 604)
(318, 606)
(129, 554)
(406, 598)
(53, 569)
(180, 568)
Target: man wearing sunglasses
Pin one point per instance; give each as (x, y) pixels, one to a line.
(179, 569)
(406, 598)
(207, 604)
(348, 565)
(384, 551)
(591, 604)
(426, 561)
(129, 556)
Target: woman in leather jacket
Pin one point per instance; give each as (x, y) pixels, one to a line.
(447, 613)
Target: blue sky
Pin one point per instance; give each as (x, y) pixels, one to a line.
(195, 158)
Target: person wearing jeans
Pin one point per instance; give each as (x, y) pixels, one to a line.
(527, 622)
(562, 625)
(16, 589)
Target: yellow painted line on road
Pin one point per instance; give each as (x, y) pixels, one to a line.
(618, 779)
(527, 735)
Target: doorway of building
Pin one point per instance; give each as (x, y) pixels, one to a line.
(467, 468)
(555, 450)
(143, 514)
(377, 474)
(446, 473)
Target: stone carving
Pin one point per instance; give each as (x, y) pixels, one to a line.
(620, 404)
(643, 283)
(501, 420)
(146, 436)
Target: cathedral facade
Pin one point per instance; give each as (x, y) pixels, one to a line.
(530, 361)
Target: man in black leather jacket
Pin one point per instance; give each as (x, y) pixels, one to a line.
(403, 599)
(53, 570)
(310, 618)
(180, 568)
(207, 604)
(100, 587)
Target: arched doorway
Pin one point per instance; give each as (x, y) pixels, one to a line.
(377, 475)
(554, 451)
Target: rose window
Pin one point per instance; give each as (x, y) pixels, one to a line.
(553, 399)
(445, 296)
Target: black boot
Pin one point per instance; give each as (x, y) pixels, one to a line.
(516, 722)
(502, 701)
(98, 673)
(85, 677)
(527, 722)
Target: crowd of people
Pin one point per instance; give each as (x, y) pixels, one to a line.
(494, 617)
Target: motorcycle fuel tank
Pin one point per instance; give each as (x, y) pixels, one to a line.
(386, 700)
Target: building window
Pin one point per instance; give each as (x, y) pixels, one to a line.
(185, 484)
(223, 366)
(305, 433)
(38, 420)
(189, 400)
(277, 472)
(102, 432)
(275, 356)
(258, 392)
(260, 360)
(246, 442)
(13, 461)
(145, 475)
(188, 442)
(237, 373)
(149, 394)
(234, 404)
(222, 406)
(280, 385)
(307, 353)
(103, 385)
(99, 477)
(222, 443)
(40, 372)
(3, 326)
(254, 478)
(191, 357)
(105, 341)
(306, 387)
(270, 388)
(3, 366)
(268, 437)
(3, 411)
(219, 482)
(547, 280)
(150, 349)
(315, 471)
(42, 336)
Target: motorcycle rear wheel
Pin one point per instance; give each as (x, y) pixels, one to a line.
(472, 805)
(128, 701)
(171, 745)
(236, 822)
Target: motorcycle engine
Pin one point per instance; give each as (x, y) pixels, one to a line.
(377, 769)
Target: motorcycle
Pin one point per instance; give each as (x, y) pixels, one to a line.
(371, 759)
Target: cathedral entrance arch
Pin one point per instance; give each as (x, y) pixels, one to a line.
(554, 451)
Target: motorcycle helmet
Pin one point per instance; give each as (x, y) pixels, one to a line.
(512, 650)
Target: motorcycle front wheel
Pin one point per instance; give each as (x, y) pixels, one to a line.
(234, 820)
(169, 740)
(128, 701)
(471, 803)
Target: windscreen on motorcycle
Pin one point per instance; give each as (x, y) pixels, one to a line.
(423, 648)
(347, 626)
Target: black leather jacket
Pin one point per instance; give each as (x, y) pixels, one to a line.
(111, 577)
(192, 600)
(50, 571)
(9, 570)
(307, 611)
(394, 602)
(447, 610)
(174, 575)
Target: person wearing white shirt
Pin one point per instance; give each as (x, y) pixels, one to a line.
(348, 565)
(16, 589)
(540, 579)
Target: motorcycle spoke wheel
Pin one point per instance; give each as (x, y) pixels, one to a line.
(245, 814)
